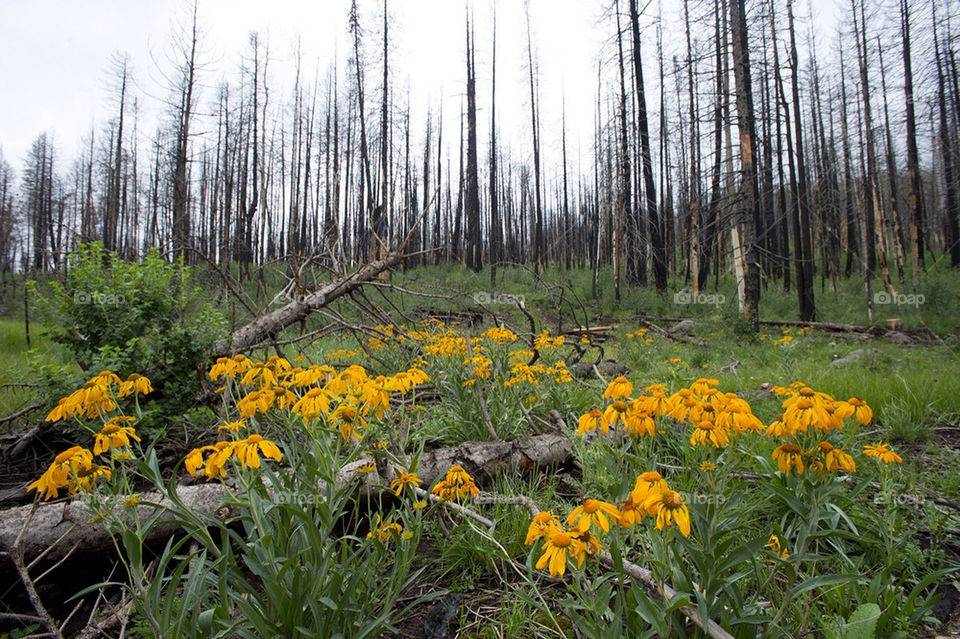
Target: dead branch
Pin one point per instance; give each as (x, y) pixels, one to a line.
(20, 413)
(12, 548)
(478, 386)
(270, 324)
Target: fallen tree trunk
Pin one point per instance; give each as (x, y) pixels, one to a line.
(267, 326)
(827, 326)
(60, 527)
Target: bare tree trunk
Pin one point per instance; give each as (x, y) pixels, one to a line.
(474, 248)
(913, 161)
(496, 231)
(948, 153)
(849, 186)
(624, 200)
(534, 123)
(746, 214)
(803, 246)
(891, 171)
(181, 213)
(654, 229)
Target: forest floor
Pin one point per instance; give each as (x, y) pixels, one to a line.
(894, 538)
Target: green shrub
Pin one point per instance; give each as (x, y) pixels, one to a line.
(134, 317)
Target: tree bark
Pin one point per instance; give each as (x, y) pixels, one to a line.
(747, 212)
(72, 520)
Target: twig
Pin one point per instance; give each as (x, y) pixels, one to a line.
(483, 404)
(20, 413)
(25, 439)
(452, 505)
(533, 334)
(16, 556)
(662, 331)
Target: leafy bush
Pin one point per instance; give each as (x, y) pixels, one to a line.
(128, 316)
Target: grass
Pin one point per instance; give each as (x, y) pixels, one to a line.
(17, 365)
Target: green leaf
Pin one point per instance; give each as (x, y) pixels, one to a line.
(862, 624)
(821, 581)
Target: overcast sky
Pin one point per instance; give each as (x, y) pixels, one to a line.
(55, 58)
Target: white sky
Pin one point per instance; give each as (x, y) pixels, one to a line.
(55, 59)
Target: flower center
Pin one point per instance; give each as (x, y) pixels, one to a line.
(561, 540)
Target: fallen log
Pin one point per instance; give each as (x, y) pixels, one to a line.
(57, 528)
(828, 326)
(270, 324)
(877, 331)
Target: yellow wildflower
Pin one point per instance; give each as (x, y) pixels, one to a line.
(590, 421)
(708, 434)
(403, 480)
(882, 452)
(789, 456)
(619, 388)
(247, 451)
(544, 523)
(774, 544)
(556, 548)
(669, 509)
(114, 436)
(593, 511)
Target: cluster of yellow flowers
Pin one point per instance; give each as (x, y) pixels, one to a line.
(449, 344)
(714, 415)
(650, 497)
(521, 372)
(808, 418)
(246, 451)
(345, 399)
(787, 337)
(343, 353)
(500, 335)
(457, 484)
(99, 396)
(544, 342)
(717, 416)
(388, 531)
(479, 366)
(74, 468)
